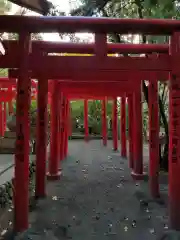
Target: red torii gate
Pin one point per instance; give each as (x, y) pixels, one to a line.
(141, 158)
(7, 94)
(97, 63)
(88, 48)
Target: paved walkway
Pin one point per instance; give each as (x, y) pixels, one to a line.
(96, 198)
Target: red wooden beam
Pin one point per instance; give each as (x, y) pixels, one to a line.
(98, 92)
(56, 47)
(56, 67)
(88, 24)
(6, 82)
(98, 88)
(100, 76)
(76, 97)
(97, 85)
(6, 96)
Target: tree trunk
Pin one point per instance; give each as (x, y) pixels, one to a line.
(163, 158)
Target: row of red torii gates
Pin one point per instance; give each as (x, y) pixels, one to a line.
(97, 76)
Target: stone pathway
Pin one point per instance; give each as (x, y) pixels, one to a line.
(96, 198)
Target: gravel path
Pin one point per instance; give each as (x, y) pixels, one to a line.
(97, 199)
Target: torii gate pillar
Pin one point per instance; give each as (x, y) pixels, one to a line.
(115, 125)
(130, 130)
(4, 117)
(137, 172)
(41, 146)
(153, 138)
(174, 135)
(66, 127)
(21, 180)
(104, 122)
(54, 173)
(62, 126)
(123, 127)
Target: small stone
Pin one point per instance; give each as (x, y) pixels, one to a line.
(74, 217)
(166, 226)
(54, 198)
(134, 223)
(85, 176)
(125, 228)
(112, 209)
(143, 203)
(119, 185)
(97, 217)
(110, 227)
(126, 218)
(149, 217)
(152, 231)
(3, 232)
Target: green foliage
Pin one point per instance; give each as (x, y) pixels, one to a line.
(5, 6)
(3, 72)
(94, 114)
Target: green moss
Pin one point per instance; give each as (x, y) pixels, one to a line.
(6, 190)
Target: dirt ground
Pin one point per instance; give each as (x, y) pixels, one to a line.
(97, 199)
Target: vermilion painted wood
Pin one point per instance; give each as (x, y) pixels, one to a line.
(1, 119)
(83, 96)
(6, 96)
(130, 130)
(104, 121)
(85, 24)
(60, 65)
(21, 195)
(60, 127)
(64, 132)
(80, 93)
(53, 173)
(5, 117)
(137, 172)
(63, 126)
(14, 81)
(123, 75)
(11, 47)
(123, 127)
(115, 125)
(41, 139)
(70, 119)
(66, 129)
(10, 104)
(97, 89)
(174, 135)
(153, 139)
(10, 107)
